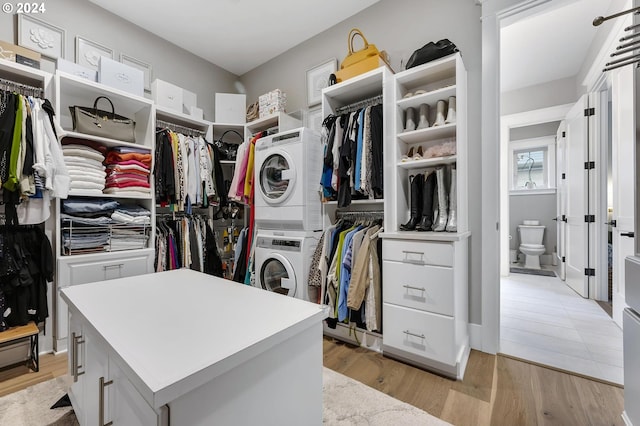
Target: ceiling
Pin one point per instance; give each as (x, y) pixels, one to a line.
(548, 45)
(237, 35)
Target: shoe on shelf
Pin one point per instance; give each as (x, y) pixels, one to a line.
(408, 156)
(408, 95)
(440, 108)
(423, 123)
(419, 92)
(418, 154)
(410, 122)
(416, 194)
(451, 113)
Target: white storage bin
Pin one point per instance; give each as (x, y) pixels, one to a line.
(189, 100)
(77, 70)
(231, 108)
(121, 76)
(167, 95)
(196, 112)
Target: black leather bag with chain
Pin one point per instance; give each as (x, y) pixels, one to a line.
(228, 151)
(430, 52)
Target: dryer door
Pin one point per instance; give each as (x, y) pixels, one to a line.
(277, 178)
(277, 275)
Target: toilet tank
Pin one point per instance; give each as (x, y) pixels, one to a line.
(531, 234)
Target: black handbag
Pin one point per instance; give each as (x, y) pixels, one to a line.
(431, 51)
(228, 151)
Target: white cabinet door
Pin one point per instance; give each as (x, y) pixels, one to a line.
(76, 363)
(126, 405)
(96, 367)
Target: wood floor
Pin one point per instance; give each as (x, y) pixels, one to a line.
(496, 390)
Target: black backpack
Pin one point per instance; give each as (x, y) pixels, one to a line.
(431, 51)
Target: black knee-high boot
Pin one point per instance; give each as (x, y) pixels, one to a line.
(417, 185)
(427, 203)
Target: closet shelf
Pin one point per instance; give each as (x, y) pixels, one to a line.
(355, 89)
(425, 236)
(81, 193)
(430, 98)
(181, 119)
(107, 255)
(23, 74)
(434, 71)
(362, 202)
(427, 162)
(430, 133)
(109, 143)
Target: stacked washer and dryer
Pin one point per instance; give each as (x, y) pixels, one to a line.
(288, 210)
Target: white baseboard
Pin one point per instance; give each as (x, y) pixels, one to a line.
(475, 336)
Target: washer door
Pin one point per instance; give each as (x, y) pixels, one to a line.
(277, 178)
(276, 274)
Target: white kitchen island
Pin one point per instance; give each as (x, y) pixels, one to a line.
(185, 348)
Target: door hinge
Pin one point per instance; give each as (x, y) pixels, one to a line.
(564, 134)
(588, 165)
(564, 176)
(589, 111)
(564, 218)
(590, 272)
(589, 218)
(564, 259)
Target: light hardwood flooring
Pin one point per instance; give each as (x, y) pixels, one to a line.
(495, 391)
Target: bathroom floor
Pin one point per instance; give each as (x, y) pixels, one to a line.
(542, 320)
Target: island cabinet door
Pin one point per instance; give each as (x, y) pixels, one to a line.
(77, 366)
(96, 370)
(126, 406)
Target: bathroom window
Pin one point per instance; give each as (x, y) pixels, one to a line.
(533, 165)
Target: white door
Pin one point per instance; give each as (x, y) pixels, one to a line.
(623, 177)
(561, 199)
(576, 231)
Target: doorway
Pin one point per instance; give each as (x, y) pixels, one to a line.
(542, 318)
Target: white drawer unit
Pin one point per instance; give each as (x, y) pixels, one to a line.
(428, 288)
(418, 252)
(420, 333)
(425, 303)
(75, 270)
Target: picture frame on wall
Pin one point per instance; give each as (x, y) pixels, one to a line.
(88, 53)
(142, 66)
(313, 119)
(318, 79)
(41, 36)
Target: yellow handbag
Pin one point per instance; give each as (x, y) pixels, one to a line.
(361, 61)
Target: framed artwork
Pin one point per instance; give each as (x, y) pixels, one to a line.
(313, 119)
(142, 66)
(88, 53)
(318, 79)
(40, 36)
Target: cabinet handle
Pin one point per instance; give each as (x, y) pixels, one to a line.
(628, 234)
(408, 252)
(408, 287)
(408, 333)
(118, 265)
(75, 342)
(102, 385)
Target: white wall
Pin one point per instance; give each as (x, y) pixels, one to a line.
(558, 92)
(399, 28)
(169, 62)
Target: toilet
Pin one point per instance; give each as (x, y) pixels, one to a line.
(531, 233)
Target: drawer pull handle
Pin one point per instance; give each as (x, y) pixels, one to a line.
(75, 366)
(102, 385)
(118, 265)
(408, 287)
(408, 333)
(416, 261)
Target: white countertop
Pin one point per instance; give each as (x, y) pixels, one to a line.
(174, 331)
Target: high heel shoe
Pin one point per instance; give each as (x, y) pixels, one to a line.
(408, 156)
(440, 108)
(418, 154)
(424, 117)
(451, 113)
(416, 189)
(410, 122)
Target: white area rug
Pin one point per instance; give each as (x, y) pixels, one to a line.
(346, 402)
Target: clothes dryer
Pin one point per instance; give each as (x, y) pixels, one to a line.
(288, 167)
(282, 261)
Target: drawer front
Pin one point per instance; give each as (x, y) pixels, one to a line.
(428, 288)
(421, 333)
(83, 273)
(418, 252)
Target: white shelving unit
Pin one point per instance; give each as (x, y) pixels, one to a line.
(74, 269)
(425, 274)
(377, 82)
(281, 120)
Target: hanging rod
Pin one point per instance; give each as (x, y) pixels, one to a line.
(623, 64)
(359, 104)
(179, 129)
(360, 214)
(600, 19)
(23, 89)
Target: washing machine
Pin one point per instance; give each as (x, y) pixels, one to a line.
(288, 167)
(282, 261)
